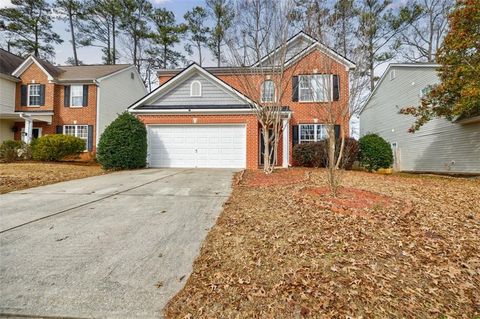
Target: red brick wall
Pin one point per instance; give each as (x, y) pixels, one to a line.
(250, 121)
(54, 102)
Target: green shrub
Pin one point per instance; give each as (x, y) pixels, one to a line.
(375, 152)
(123, 144)
(56, 147)
(13, 150)
(316, 154)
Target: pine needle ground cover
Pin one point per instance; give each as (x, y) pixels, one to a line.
(387, 246)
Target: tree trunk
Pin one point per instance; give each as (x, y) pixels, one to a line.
(36, 51)
(267, 167)
(331, 160)
(218, 52)
(340, 151)
(72, 32)
(200, 54)
(114, 48)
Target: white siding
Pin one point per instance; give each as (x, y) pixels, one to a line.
(212, 94)
(439, 146)
(117, 93)
(7, 96)
(6, 130)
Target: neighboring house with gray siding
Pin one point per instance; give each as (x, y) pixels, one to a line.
(440, 146)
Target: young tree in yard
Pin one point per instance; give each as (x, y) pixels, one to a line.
(71, 11)
(167, 34)
(222, 12)
(30, 21)
(421, 40)
(135, 24)
(458, 93)
(266, 82)
(197, 31)
(103, 17)
(378, 25)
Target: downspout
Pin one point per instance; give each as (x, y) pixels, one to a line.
(97, 116)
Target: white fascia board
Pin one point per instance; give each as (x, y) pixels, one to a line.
(403, 65)
(22, 67)
(185, 73)
(196, 111)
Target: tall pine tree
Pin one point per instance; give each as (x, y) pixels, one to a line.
(197, 31)
(222, 13)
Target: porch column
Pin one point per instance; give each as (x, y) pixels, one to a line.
(27, 134)
(286, 142)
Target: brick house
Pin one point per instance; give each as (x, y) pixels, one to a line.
(202, 117)
(41, 98)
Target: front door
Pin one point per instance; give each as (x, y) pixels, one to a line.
(36, 132)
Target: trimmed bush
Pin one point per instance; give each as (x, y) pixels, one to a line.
(56, 147)
(310, 154)
(13, 151)
(316, 154)
(123, 144)
(375, 152)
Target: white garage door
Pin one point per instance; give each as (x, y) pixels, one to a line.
(197, 146)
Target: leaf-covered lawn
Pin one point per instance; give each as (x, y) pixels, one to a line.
(17, 176)
(388, 246)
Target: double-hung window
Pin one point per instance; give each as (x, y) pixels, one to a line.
(76, 96)
(80, 131)
(268, 91)
(315, 88)
(312, 133)
(34, 95)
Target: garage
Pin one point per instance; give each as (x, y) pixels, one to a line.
(206, 146)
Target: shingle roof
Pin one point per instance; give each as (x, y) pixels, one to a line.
(9, 62)
(88, 72)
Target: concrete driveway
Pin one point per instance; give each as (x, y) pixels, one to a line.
(113, 246)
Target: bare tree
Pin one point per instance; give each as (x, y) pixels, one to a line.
(422, 39)
(265, 81)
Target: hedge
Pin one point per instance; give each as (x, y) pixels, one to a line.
(123, 144)
(316, 154)
(375, 152)
(56, 147)
(14, 150)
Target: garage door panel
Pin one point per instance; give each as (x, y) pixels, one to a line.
(197, 146)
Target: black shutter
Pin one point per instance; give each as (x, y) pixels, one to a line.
(295, 134)
(42, 95)
(90, 138)
(85, 95)
(294, 88)
(337, 131)
(336, 87)
(66, 96)
(59, 129)
(23, 95)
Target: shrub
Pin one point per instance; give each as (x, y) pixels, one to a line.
(316, 154)
(375, 152)
(12, 150)
(56, 147)
(123, 144)
(309, 154)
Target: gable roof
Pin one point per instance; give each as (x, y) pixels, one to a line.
(315, 44)
(9, 62)
(179, 78)
(396, 65)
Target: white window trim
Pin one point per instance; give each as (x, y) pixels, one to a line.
(316, 126)
(274, 92)
(200, 88)
(71, 96)
(76, 133)
(28, 95)
(313, 101)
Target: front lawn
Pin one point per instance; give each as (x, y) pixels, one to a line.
(21, 175)
(388, 246)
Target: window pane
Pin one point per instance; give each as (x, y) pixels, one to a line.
(69, 130)
(196, 91)
(76, 93)
(321, 132)
(77, 101)
(307, 133)
(34, 94)
(82, 131)
(268, 91)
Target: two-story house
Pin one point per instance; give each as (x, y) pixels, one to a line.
(203, 117)
(440, 146)
(73, 100)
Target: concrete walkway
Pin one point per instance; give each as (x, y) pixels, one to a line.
(113, 246)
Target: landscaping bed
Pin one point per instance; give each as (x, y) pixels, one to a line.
(387, 246)
(21, 175)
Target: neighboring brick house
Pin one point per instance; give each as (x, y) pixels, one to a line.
(73, 100)
(202, 117)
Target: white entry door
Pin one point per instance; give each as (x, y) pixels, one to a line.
(222, 146)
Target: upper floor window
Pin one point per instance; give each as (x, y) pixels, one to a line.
(268, 91)
(196, 88)
(76, 95)
(315, 88)
(34, 95)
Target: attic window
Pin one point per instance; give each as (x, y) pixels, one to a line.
(196, 88)
(393, 74)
